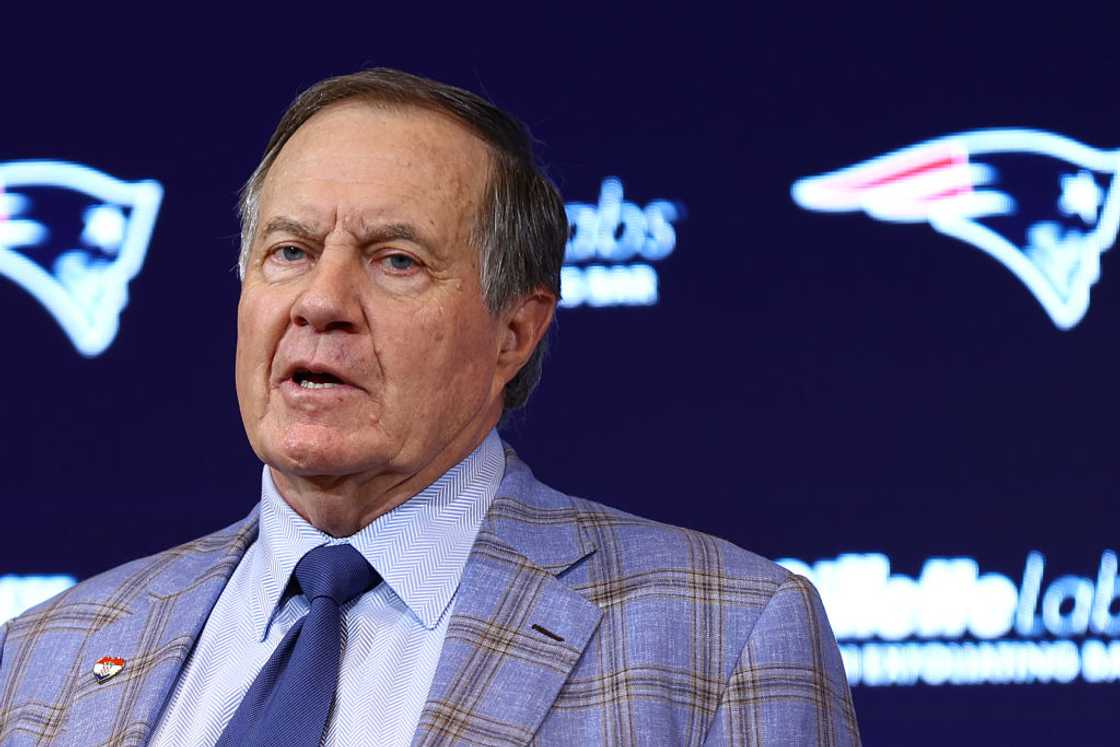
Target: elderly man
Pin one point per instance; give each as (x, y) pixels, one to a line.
(405, 579)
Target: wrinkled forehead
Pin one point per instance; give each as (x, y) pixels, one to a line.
(370, 159)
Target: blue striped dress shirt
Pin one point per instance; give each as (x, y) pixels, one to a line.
(391, 636)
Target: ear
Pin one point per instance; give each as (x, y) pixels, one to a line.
(523, 326)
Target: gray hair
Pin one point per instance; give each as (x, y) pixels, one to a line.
(521, 227)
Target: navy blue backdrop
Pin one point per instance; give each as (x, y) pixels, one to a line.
(807, 385)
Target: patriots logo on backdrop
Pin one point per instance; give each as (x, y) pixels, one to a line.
(1042, 204)
(73, 238)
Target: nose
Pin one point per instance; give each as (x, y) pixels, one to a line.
(330, 300)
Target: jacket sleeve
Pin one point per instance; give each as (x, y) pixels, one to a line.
(788, 686)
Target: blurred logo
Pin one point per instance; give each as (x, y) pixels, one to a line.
(952, 624)
(73, 238)
(1042, 204)
(610, 248)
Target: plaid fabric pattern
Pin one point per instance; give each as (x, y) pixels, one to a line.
(575, 624)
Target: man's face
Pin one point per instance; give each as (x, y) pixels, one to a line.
(364, 346)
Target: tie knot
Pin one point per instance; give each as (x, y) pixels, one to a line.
(338, 572)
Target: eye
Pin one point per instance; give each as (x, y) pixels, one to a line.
(399, 262)
(290, 253)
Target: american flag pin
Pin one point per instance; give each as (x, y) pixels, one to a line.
(107, 667)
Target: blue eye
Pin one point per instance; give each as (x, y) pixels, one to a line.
(400, 262)
(292, 253)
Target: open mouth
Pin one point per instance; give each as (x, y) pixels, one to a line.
(315, 379)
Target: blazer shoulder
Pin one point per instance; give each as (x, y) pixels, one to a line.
(626, 543)
(638, 540)
(112, 591)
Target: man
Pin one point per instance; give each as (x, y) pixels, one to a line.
(405, 579)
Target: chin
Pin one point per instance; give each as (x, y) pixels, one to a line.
(309, 451)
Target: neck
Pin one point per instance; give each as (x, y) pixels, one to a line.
(342, 505)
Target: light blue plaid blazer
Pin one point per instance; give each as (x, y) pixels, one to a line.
(575, 624)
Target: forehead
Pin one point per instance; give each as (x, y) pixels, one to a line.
(364, 163)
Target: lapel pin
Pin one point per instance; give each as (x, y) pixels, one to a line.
(107, 667)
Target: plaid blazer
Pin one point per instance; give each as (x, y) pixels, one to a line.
(575, 624)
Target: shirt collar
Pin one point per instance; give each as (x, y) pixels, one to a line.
(420, 547)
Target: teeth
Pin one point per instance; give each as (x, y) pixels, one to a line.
(307, 384)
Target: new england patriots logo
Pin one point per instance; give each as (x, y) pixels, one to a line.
(74, 237)
(1042, 204)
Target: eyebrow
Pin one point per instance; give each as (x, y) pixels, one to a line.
(294, 227)
(391, 232)
(369, 235)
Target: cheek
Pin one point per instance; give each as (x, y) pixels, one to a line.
(431, 356)
(469, 344)
(243, 369)
(259, 327)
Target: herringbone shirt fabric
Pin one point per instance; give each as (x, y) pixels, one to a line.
(392, 636)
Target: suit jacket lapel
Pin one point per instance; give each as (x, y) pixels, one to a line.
(517, 630)
(154, 635)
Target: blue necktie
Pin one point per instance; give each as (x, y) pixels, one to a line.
(289, 701)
